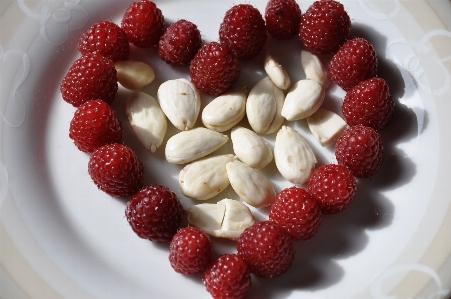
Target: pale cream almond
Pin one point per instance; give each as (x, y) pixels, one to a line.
(146, 119)
(133, 74)
(314, 69)
(303, 99)
(294, 157)
(180, 101)
(250, 184)
(251, 148)
(276, 72)
(194, 144)
(225, 111)
(205, 178)
(326, 126)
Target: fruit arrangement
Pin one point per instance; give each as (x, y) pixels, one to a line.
(263, 248)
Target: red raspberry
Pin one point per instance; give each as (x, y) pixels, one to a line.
(180, 43)
(116, 170)
(267, 249)
(155, 213)
(325, 26)
(369, 103)
(296, 211)
(190, 251)
(282, 18)
(143, 23)
(333, 187)
(107, 39)
(243, 31)
(355, 61)
(214, 70)
(360, 149)
(228, 277)
(94, 124)
(90, 77)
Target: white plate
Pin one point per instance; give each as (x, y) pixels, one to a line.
(62, 238)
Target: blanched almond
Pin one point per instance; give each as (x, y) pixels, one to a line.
(294, 157)
(250, 184)
(226, 219)
(191, 145)
(133, 74)
(314, 69)
(225, 111)
(146, 119)
(250, 148)
(326, 126)
(180, 101)
(262, 106)
(303, 99)
(276, 72)
(205, 178)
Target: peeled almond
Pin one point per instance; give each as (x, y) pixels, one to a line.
(146, 119)
(294, 157)
(205, 178)
(314, 69)
(133, 74)
(225, 111)
(191, 145)
(226, 219)
(326, 126)
(250, 148)
(180, 101)
(250, 184)
(263, 107)
(303, 99)
(276, 72)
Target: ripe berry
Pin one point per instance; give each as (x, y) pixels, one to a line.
(94, 124)
(90, 77)
(214, 70)
(180, 43)
(296, 211)
(333, 187)
(267, 249)
(116, 170)
(107, 39)
(243, 31)
(369, 103)
(143, 23)
(360, 149)
(155, 213)
(355, 61)
(228, 277)
(282, 18)
(190, 251)
(324, 27)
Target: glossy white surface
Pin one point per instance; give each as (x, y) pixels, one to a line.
(62, 238)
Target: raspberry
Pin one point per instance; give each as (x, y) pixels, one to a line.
(369, 103)
(228, 277)
(324, 27)
(94, 124)
(296, 211)
(243, 31)
(355, 61)
(155, 213)
(282, 18)
(180, 43)
(143, 23)
(90, 77)
(116, 170)
(267, 249)
(333, 187)
(360, 149)
(190, 251)
(107, 39)
(214, 70)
